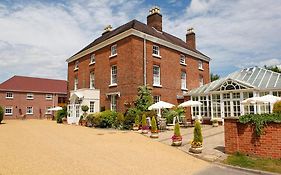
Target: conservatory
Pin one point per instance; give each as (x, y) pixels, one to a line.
(222, 98)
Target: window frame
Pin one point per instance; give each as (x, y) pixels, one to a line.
(29, 113)
(200, 65)
(113, 102)
(49, 96)
(8, 97)
(201, 80)
(92, 80)
(75, 83)
(92, 59)
(157, 49)
(112, 49)
(29, 96)
(92, 106)
(113, 75)
(183, 81)
(182, 59)
(48, 112)
(10, 108)
(157, 84)
(76, 65)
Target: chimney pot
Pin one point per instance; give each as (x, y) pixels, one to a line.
(154, 19)
(191, 39)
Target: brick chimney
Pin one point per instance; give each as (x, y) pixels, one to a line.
(154, 19)
(107, 29)
(190, 38)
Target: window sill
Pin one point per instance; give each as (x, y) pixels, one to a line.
(111, 56)
(113, 85)
(30, 98)
(200, 69)
(157, 85)
(183, 64)
(49, 99)
(76, 69)
(8, 114)
(184, 89)
(29, 113)
(157, 56)
(92, 63)
(9, 97)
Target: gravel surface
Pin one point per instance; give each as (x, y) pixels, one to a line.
(44, 147)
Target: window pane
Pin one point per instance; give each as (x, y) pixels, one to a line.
(156, 75)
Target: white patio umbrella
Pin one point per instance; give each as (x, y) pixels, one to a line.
(251, 100)
(190, 103)
(55, 109)
(160, 105)
(268, 99)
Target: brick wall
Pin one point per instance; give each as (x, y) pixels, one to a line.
(20, 103)
(241, 138)
(129, 61)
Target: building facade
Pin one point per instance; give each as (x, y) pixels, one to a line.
(31, 97)
(222, 98)
(137, 54)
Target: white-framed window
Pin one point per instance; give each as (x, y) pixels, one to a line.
(155, 50)
(92, 80)
(75, 83)
(183, 80)
(47, 110)
(29, 110)
(77, 111)
(113, 79)
(9, 110)
(113, 102)
(92, 59)
(200, 65)
(201, 80)
(113, 50)
(49, 96)
(156, 98)
(182, 59)
(29, 96)
(76, 65)
(156, 75)
(9, 95)
(92, 106)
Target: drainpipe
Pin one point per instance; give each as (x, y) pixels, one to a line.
(144, 60)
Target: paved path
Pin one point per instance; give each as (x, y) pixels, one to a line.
(44, 147)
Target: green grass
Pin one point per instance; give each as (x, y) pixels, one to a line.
(238, 159)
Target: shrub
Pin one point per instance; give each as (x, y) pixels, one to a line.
(153, 125)
(1, 114)
(85, 108)
(119, 122)
(197, 135)
(215, 121)
(61, 114)
(143, 122)
(130, 116)
(277, 107)
(107, 119)
(90, 119)
(96, 119)
(169, 115)
(144, 99)
(177, 133)
(137, 120)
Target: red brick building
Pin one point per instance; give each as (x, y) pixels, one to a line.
(136, 54)
(31, 97)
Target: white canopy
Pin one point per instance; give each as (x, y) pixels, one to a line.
(264, 99)
(160, 105)
(55, 109)
(190, 103)
(250, 100)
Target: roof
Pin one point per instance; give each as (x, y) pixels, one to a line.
(33, 84)
(254, 77)
(137, 25)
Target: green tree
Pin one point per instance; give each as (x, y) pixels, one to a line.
(143, 122)
(177, 132)
(273, 68)
(1, 114)
(197, 133)
(153, 125)
(214, 77)
(144, 99)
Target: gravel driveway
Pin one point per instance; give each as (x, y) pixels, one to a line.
(44, 147)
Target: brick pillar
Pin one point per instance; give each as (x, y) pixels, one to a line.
(231, 135)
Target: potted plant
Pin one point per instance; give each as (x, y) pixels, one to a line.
(177, 138)
(64, 120)
(84, 108)
(196, 144)
(154, 130)
(215, 123)
(144, 127)
(136, 124)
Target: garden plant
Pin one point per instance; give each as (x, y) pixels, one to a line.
(177, 138)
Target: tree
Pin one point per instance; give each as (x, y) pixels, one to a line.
(1, 114)
(273, 68)
(197, 134)
(144, 99)
(153, 125)
(214, 77)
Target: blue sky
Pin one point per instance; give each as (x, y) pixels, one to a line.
(38, 36)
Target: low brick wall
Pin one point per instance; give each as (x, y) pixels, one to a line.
(242, 138)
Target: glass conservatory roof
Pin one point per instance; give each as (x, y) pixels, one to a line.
(254, 77)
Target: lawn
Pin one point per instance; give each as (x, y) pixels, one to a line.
(238, 159)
